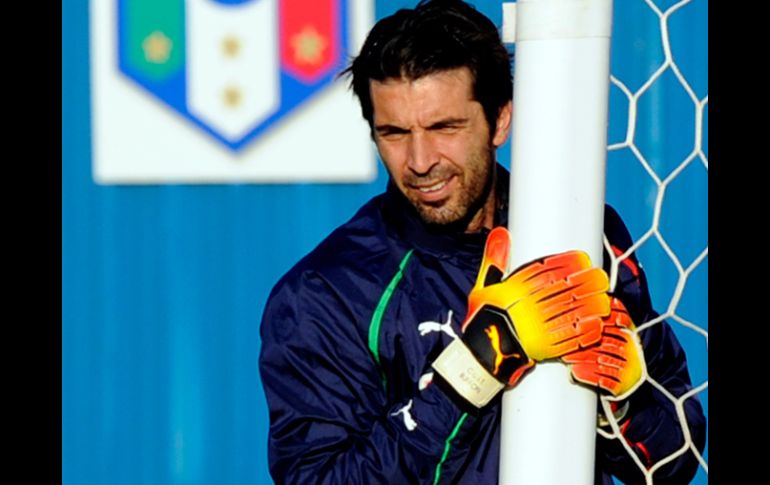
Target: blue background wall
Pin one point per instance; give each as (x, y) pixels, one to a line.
(163, 286)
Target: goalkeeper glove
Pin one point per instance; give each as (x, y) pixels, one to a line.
(543, 310)
(616, 364)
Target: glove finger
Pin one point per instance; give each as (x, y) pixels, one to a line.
(611, 363)
(558, 296)
(547, 338)
(615, 366)
(573, 318)
(545, 271)
(585, 373)
(597, 376)
(633, 370)
(612, 351)
(569, 338)
(618, 336)
(613, 386)
(548, 331)
(577, 285)
(567, 313)
(589, 282)
(495, 261)
(544, 278)
(579, 357)
(619, 316)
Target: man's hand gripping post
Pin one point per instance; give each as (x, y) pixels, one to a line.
(543, 310)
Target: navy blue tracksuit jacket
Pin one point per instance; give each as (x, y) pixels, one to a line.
(349, 335)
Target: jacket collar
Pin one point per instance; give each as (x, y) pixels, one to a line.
(442, 242)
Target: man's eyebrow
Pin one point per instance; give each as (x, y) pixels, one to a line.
(388, 128)
(448, 122)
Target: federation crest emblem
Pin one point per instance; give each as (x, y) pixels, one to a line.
(234, 68)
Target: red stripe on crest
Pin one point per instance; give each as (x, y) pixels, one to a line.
(309, 37)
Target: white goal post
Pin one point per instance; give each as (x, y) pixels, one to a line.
(559, 150)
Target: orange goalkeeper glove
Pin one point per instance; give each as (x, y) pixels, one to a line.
(616, 364)
(543, 310)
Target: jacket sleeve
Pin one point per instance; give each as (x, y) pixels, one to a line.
(329, 420)
(651, 427)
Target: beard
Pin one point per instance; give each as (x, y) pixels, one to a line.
(472, 193)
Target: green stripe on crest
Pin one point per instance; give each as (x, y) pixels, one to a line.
(155, 36)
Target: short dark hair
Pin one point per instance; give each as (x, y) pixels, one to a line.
(437, 35)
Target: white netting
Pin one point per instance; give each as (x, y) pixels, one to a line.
(663, 170)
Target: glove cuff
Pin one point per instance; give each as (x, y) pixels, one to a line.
(461, 370)
(619, 412)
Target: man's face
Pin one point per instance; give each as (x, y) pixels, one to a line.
(436, 144)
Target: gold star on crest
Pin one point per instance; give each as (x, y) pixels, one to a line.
(308, 46)
(232, 97)
(231, 46)
(157, 47)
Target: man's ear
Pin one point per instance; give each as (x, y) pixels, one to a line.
(503, 125)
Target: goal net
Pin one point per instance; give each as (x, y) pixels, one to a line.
(657, 177)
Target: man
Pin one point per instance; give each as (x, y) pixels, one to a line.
(355, 360)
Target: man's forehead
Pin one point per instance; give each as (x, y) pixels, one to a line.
(427, 100)
(460, 76)
(421, 101)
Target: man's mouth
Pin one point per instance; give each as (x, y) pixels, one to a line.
(434, 191)
(432, 188)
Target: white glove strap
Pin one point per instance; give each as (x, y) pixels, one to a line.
(458, 366)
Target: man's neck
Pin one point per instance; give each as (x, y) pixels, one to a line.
(485, 217)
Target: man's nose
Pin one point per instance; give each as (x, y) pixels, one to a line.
(422, 153)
